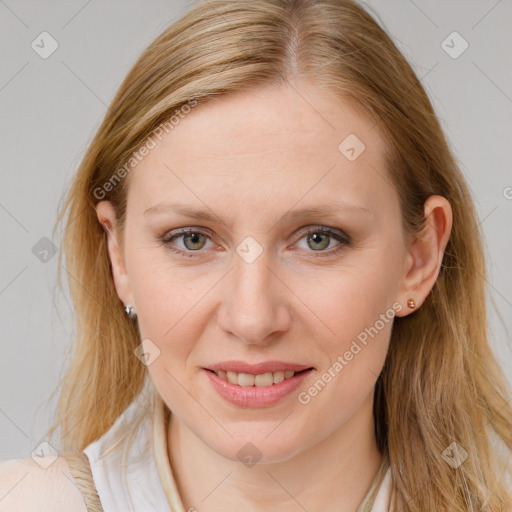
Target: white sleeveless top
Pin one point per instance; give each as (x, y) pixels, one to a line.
(137, 476)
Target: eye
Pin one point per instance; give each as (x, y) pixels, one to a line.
(317, 239)
(320, 237)
(193, 241)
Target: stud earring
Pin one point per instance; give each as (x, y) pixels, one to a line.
(411, 303)
(130, 311)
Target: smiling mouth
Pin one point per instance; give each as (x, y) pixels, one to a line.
(260, 380)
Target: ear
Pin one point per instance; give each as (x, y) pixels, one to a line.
(425, 254)
(107, 218)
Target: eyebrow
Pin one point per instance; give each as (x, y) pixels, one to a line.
(292, 215)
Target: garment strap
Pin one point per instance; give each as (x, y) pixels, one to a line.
(80, 470)
(369, 499)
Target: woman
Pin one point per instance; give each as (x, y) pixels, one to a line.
(279, 282)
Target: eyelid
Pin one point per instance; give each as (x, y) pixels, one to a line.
(177, 233)
(318, 228)
(340, 235)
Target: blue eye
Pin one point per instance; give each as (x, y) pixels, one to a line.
(194, 240)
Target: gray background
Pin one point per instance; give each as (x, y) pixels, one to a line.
(52, 107)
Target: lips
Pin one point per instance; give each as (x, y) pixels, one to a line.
(256, 385)
(259, 394)
(258, 368)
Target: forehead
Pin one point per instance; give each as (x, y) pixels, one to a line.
(253, 147)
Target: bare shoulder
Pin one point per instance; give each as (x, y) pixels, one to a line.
(29, 486)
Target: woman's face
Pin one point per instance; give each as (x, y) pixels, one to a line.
(257, 280)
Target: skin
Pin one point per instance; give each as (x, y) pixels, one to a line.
(250, 157)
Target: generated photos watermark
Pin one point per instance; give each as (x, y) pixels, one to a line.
(304, 397)
(149, 144)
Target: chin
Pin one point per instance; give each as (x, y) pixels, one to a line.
(256, 448)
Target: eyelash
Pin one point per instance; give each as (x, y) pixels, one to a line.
(340, 236)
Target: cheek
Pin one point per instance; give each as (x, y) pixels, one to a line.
(164, 294)
(354, 317)
(356, 355)
(169, 314)
(157, 279)
(353, 299)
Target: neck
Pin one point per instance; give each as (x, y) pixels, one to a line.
(333, 475)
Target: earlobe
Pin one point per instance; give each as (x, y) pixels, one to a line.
(106, 214)
(425, 256)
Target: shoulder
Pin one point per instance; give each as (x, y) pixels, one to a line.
(29, 486)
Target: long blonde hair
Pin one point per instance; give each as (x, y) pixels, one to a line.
(440, 383)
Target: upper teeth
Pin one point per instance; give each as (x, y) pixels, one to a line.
(248, 379)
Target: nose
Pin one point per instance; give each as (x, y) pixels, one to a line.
(256, 305)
